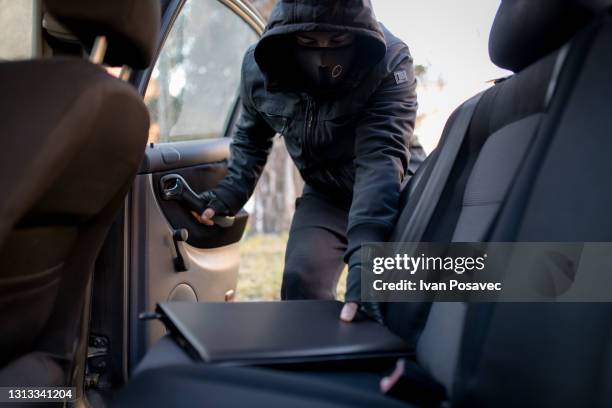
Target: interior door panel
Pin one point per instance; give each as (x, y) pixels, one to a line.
(202, 177)
(212, 254)
(193, 106)
(170, 156)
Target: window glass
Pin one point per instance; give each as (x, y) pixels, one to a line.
(16, 29)
(195, 83)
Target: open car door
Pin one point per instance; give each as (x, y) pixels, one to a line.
(192, 94)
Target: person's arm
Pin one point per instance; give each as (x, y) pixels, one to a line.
(249, 151)
(381, 159)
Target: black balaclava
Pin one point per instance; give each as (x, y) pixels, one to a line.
(285, 66)
(324, 69)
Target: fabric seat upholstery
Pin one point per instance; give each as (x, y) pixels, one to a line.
(73, 138)
(561, 352)
(57, 177)
(201, 385)
(71, 165)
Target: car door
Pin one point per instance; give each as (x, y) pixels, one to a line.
(192, 96)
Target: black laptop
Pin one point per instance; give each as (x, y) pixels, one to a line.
(276, 332)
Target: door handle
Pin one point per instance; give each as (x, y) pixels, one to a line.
(175, 188)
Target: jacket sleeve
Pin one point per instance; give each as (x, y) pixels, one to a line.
(249, 151)
(381, 158)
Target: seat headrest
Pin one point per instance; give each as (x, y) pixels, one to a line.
(130, 26)
(527, 30)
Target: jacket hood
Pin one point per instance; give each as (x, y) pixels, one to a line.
(292, 16)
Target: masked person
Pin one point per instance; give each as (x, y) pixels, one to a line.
(340, 89)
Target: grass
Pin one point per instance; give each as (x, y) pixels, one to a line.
(261, 268)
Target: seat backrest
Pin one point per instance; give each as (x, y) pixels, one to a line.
(473, 192)
(73, 137)
(559, 351)
(501, 132)
(511, 118)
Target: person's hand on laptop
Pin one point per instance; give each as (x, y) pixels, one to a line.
(349, 311)
(353, 304)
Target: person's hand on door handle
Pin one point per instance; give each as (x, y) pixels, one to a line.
(214, 207)
(206, 217)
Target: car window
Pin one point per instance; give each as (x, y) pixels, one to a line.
(16, 29)
(195, 83)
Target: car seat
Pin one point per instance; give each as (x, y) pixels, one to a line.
(73, 137)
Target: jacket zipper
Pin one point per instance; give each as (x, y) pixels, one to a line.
(311, 112)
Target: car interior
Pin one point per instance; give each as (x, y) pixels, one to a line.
(102, 279)
(55, 223)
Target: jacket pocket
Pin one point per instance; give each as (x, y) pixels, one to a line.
(276, 114)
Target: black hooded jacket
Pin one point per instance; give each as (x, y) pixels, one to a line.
(353, 145)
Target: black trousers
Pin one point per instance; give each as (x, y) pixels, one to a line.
(316, 246)
(317, 241)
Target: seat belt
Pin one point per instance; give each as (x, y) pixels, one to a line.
(422, 209)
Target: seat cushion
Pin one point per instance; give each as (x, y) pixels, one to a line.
(202, 385)
(34, 369)
(165, 352)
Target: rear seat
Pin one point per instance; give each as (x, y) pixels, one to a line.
(537, 144)
(502, 129)
(562, 353)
